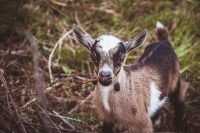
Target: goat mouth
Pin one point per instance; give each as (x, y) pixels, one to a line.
(105, 81)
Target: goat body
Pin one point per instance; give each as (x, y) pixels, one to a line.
(130, 96)
(144, 88)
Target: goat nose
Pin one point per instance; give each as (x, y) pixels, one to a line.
(105, 74)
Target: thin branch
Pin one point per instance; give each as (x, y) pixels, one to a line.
(64, 120)
(15, 107)
(59, 42)
(82, 102)
(6, 86)
(59, 90)
(72, 119)
(68, 118)
(39, 81)
(48, 116)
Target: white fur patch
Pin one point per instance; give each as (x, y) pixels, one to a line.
(155, 102)
(104, 95)
(159, 25)
(108, 42)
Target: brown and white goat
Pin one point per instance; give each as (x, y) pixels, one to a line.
(128, 96)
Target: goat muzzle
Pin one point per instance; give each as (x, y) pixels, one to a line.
(105, 81)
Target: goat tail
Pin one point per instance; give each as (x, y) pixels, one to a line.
(162, 32)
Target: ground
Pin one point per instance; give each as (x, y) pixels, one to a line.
(34, 98)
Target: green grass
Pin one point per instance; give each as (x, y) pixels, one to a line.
(48, 21)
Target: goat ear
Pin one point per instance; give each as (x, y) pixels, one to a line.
(83, 38)
(137, 41)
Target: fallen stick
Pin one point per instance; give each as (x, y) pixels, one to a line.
(64, 120)
(82, 102)
(46, 92)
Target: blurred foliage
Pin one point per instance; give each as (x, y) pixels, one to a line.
(48, 20)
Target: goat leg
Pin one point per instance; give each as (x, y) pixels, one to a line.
(107, 127)
(178, 102)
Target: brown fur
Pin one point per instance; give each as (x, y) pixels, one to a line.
(129, 105)
(162, 56)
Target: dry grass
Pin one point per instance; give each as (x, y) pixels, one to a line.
(30, 102)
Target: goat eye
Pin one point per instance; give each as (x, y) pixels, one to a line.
(121, 59)
(118, 58)
(95, 58)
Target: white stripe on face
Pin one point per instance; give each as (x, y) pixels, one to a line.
(106, 68)
(108, 42)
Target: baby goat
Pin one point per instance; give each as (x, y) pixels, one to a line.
(129, 96)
